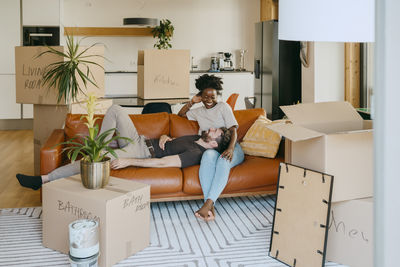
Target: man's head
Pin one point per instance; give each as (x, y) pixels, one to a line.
(218, 139)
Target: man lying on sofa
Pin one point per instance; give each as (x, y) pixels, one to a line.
(179, 152)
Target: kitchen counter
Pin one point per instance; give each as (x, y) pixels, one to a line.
(192, 71)
(124, 85)
(227, 71)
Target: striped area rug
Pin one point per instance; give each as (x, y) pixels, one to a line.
(238, 237)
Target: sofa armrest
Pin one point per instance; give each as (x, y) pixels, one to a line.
(50, 153)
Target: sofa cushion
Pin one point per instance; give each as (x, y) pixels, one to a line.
(245, 119)
(150, 125)
(260, 140)
(161, 180)
(253, 172)
(181, 126)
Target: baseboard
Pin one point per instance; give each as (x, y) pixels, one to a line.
(16, 124)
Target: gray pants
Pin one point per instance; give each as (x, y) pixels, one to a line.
(115, 117)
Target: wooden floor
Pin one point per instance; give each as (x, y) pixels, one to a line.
(16, 156)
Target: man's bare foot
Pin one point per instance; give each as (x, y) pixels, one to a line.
(206, 212)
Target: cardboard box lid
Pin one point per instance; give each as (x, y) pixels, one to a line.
(294, 132)
(324, 113)
(313, 120)
(116, 187)
(144, 55)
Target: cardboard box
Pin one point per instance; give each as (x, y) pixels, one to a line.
(36, 158)
(332, 138)
(163, 74)
(47, 118)
(122, 209)
(29, 71)
(350, 236)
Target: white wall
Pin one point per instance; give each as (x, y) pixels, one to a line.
(203, 26)
(323, 80)
(41, 12)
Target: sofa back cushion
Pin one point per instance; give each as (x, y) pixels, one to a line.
(150, 125)
(180, 126)
(156, 124)
(245, 119)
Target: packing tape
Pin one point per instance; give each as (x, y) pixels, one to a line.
(107, 187)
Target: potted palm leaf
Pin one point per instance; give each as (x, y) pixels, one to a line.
(72, 72)
(93, 149)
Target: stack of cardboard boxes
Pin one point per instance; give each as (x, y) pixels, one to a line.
(332, 138)
(47, 113)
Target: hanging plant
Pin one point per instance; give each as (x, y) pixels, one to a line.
(164, 33)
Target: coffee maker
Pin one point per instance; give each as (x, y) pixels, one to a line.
(228, 64)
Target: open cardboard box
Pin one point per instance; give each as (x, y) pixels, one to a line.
(331, 137)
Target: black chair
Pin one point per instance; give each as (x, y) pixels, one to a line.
(156, 107)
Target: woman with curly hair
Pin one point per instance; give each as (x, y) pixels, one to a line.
(214, 167)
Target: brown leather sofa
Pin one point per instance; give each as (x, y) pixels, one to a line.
(256, 175)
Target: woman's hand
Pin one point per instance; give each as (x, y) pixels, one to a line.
(228, 154)
(120, 163)
(196, 99)
(163, 139)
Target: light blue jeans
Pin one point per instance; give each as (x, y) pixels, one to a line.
(214, 171)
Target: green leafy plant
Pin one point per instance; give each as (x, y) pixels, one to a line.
(93, 147)
(65, 74)
(164, 33)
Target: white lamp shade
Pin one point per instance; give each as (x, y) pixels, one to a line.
(327, 20)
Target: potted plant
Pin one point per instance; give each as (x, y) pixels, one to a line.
(164, 33)
(94, 148)
(71, 71)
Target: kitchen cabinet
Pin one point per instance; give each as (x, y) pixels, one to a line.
(8, 108)
(268, 10)
(40, 12)
(10, 36)
(10, 16)
(27, 111)
(120, 84)
(124, 84)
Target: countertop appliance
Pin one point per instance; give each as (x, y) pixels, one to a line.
(277, 70)
(41, 35)
(228, 64)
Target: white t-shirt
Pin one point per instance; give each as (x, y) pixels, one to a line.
(221, 115)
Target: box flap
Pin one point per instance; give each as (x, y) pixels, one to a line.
(294, 132)
(324, 112)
